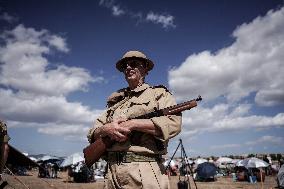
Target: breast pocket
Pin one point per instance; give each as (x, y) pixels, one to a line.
(139, 106)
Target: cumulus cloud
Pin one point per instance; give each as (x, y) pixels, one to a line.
(33, 93)
(226, 118)
(21, 106)
(25, 66)
(253, 64)
(166, 20)
(250, 68)
(69, 132)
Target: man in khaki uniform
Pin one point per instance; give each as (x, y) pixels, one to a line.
(135, 158)
(4, 148)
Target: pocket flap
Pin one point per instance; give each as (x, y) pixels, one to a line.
(140, 101)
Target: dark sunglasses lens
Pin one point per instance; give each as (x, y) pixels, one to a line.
(132, 64)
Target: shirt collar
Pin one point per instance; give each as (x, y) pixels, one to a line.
(140, 88)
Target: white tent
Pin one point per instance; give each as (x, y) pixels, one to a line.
(199, 161)
(172, 163)
(224, 160)
(72, 160)
(235, 161)
(189, 161)
(254, 163)
(240, 163)
(48, 158)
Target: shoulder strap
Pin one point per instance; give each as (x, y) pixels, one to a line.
(161, 86)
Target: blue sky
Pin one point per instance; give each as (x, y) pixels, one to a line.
(57, 67)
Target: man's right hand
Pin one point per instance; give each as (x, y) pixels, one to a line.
(114, 131)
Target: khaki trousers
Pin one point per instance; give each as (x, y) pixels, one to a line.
(135, 175)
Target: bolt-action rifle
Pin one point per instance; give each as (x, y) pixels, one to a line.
(96, 150)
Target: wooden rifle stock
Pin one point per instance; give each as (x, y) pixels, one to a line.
(96, 150)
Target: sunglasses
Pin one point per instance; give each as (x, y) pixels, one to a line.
(132, 64)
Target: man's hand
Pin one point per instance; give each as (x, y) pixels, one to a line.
(115, 130)
(142, 125)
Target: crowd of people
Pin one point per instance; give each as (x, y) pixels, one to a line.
(48, 170)
(237, 172)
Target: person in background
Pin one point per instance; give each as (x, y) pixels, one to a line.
(267, 169)
(56, 168)
(4, 147)
(135, 158)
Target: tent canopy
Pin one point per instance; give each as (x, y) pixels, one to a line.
(252, 163)
(49, 158)
(206, 170)
(15, 157)
(224, 160)
(200, 160)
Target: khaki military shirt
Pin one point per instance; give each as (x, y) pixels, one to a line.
(132, 103)
(4, 137)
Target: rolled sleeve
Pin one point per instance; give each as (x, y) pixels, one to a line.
(98, 123)
(170, 125)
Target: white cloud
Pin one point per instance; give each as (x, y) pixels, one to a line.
(167, 21)
(34, 95)
(25, 66)
(69, 132)
(21, 106)
(252, 64)
(58, 42)
(267, 140)
(117, 11)
(226, 118)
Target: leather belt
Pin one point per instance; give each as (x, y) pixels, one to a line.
(128, 157)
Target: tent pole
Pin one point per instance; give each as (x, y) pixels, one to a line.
(261, 178)
(187, 163)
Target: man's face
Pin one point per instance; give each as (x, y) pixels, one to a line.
(134, 70)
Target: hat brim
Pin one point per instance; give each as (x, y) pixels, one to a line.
(149, 63)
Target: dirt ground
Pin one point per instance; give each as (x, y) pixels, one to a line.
(33, 182)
